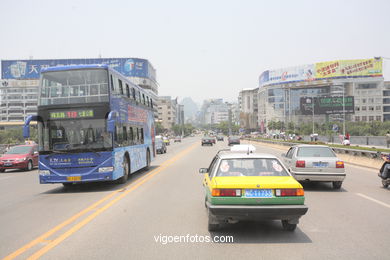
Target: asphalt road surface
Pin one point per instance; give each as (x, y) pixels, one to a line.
(138, 220)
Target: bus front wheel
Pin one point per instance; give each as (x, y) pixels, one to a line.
(126, 169)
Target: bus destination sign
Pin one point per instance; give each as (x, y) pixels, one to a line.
(72, 114)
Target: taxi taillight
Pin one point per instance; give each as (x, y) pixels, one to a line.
(289, 192)
(226, 193)
(339, 164)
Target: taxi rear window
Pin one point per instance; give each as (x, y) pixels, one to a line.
(251, 167)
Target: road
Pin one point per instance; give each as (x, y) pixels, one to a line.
(110, 221)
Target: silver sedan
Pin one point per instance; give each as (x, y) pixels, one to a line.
(315, 163)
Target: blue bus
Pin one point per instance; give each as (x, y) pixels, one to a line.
(93, 125)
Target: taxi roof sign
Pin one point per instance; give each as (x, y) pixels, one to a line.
(248, 148)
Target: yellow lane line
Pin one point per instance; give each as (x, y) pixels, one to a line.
(55, 242)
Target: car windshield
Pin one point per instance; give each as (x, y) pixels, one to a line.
(315, 152)
(251, 167)
(19, 150)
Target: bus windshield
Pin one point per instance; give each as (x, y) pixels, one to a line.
(68, 135)
(73, 87)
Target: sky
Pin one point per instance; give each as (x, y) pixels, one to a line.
(200, 49)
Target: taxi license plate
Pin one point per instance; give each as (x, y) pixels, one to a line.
(73, 178)
(258, 193)
(320, 164)
(7, 164)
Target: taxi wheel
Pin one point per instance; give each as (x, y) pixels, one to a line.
(213, 225)
(287, 226)
(337, 185)
(385, 184)
(2, 170)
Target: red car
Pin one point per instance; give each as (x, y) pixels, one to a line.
(20, 157)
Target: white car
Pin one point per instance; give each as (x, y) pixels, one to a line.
(315, 163)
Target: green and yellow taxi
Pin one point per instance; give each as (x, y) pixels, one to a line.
(241, 184)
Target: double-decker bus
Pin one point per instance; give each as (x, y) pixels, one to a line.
(93, 125)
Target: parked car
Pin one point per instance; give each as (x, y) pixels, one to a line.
(20, 157)
(243, 185)
(207, 140)
(160, 146)
(315, 163)
(177, 139)
(233, 140)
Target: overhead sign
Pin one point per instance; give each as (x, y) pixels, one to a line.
(323, 70)
(287, 75)
(31, 69)
(349, 68)
(327, 105)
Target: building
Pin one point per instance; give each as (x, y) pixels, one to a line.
(249, 109)
(167, 111)
(350, 90)
(214, 111)
(20, 81)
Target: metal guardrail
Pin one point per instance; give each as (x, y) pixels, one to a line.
(354, 152)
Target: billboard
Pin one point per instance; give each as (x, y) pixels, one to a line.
(323, 70)
(349, 68)
(327, 105)
(287, 75)
(30, 69)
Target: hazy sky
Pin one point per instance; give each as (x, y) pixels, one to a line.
(202, 49)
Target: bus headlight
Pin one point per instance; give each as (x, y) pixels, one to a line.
(106, 169)
(44, 172)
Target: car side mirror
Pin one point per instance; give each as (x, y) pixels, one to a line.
(203, 170)
(35, 153)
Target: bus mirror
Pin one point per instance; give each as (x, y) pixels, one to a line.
(111, 126)
(26, 131)
(26, 127)
(111, 122)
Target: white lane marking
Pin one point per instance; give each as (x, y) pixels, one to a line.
(374, 200)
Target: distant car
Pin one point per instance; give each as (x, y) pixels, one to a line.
(233, 140)
(160, 146)
(220, 138)
(166, 140)
(20, 157)
(315, 163)
(177, 139)
(207, 140)
(243, 185)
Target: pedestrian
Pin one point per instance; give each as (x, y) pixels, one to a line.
(385, 170)
(388, 139)
(347, 136)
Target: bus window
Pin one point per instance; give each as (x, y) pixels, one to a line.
(151, 103)
(120, 87)
(138, 136)
(112, 83)
(127, 91)
(131, 136)
(143, 99)
(139, 97)
(124, 135)
(147, 101)
(142, 135)
(133, 93)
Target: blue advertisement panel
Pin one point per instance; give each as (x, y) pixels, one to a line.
(30, 69)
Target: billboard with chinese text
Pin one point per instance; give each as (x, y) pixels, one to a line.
(30, 69)
(327, 105)
(349, 68)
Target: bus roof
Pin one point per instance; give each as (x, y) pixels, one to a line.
(76, 67)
